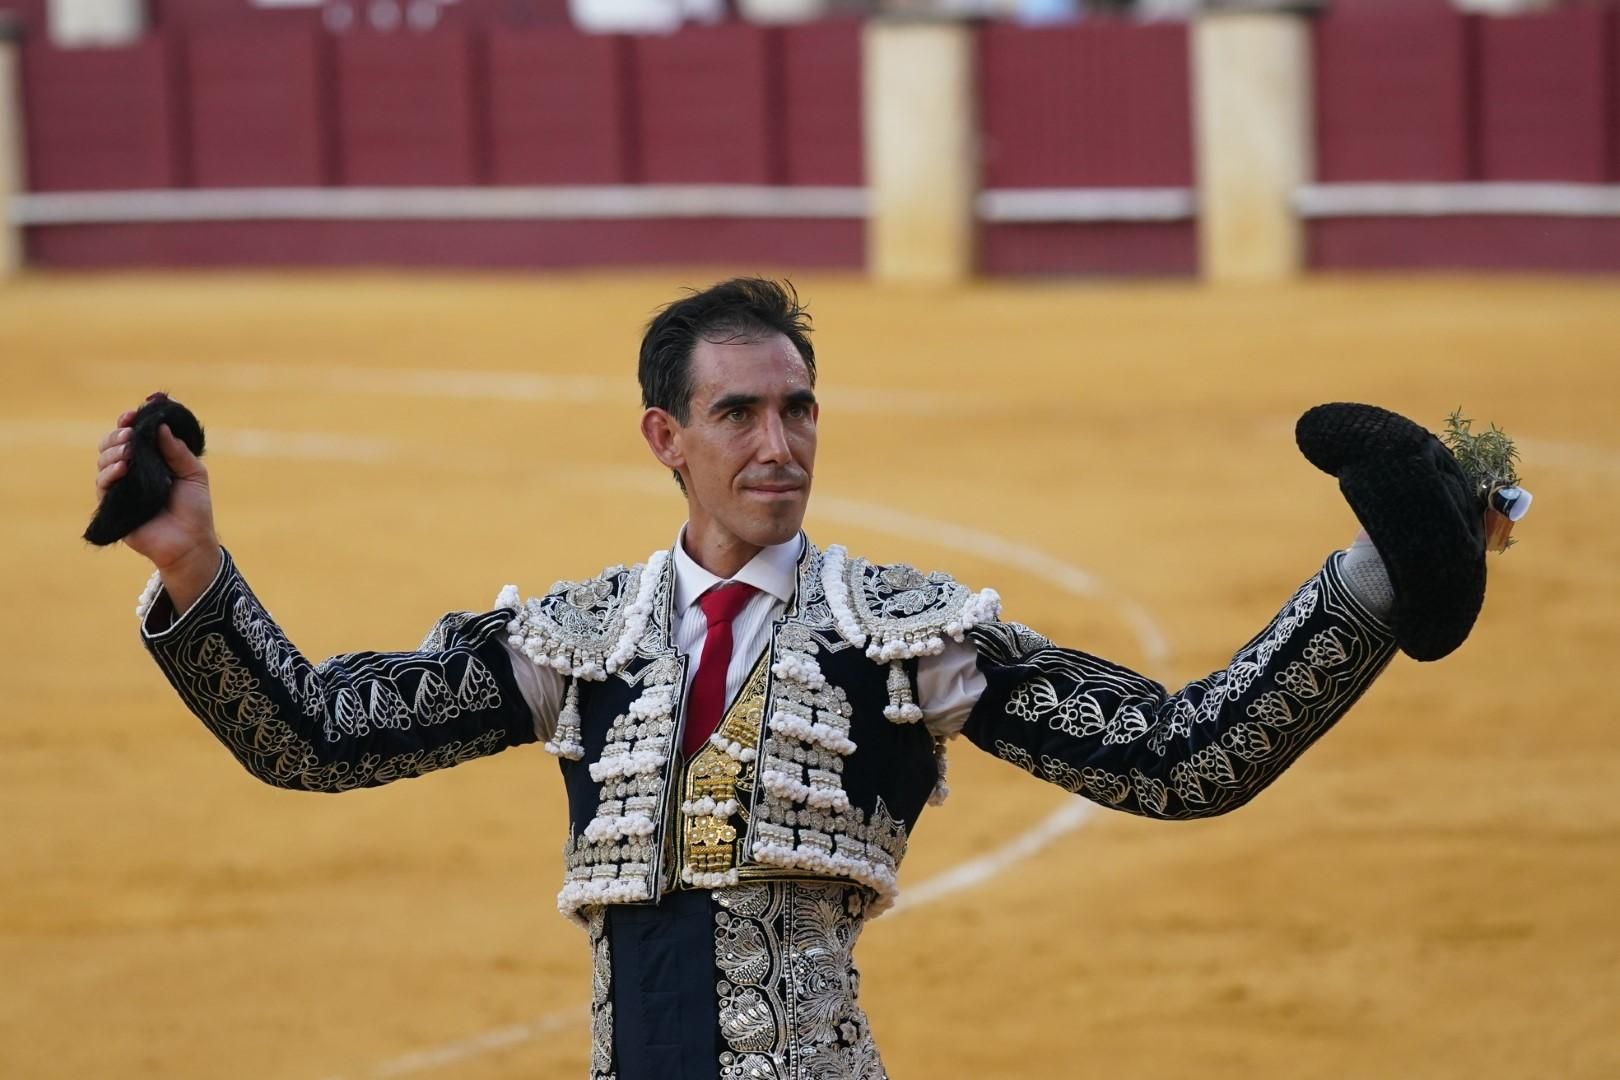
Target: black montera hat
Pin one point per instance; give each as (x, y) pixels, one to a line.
(143, 491)
(1424, 514)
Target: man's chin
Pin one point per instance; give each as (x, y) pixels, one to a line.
(779, 524)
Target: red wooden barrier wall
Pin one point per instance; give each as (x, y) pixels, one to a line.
(407, 109)
(1436, 96)
(286, 106)
(101, 119)
(1097, 105)
(750, 244)
(1573, 244)
(1403, 96)
(706, 104)
(1544, 96)
(820, 118)
(1614, 97)
(259, 107)
(1392, 97)
(559, 106)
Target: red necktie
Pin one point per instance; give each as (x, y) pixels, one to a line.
(707, 701)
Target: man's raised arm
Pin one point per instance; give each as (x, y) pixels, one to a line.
(356, 720)
(1121, 739)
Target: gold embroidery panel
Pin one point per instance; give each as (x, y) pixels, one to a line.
(707, 844)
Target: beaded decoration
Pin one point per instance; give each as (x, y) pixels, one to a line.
(897, 613)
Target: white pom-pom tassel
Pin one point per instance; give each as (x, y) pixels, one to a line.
(507, 600)
(639, 611)
(982, 607)
(902, 707)
(836, 588)
(565, 741)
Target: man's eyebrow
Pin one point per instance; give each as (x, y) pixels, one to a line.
(739, 400)
(733, 401)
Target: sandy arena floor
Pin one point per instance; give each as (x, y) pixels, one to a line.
(1429, 893)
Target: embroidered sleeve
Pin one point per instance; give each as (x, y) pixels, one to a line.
(356, 720)
(1121, 740)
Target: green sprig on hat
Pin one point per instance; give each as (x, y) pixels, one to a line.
(1489, 458)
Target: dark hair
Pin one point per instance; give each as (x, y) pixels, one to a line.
(742, 308)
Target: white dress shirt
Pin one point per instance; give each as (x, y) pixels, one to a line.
(948, 685)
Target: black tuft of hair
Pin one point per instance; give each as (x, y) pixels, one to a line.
(743, 308)
(144, 490)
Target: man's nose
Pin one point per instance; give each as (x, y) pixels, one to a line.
(773, 443)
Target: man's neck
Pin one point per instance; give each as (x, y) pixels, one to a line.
(718, 552)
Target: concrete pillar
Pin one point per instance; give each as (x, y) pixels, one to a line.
(11, 150)
(1252, 106)
(922, 172)
(76, 23)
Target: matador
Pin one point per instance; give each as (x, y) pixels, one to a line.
(749, 725)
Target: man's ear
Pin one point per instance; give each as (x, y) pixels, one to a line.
(662, 432)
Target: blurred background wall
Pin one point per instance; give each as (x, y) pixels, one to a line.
(565, 133)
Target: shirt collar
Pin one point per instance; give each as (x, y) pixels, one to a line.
(774, 570)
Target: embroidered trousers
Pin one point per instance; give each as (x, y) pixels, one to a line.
(752, 982)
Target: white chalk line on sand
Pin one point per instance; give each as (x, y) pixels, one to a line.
(458, 384)
(238, 442)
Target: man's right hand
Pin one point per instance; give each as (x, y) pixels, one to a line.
(180, 541)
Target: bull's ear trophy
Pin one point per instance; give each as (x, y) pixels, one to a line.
(143, 491)
(1433, 509)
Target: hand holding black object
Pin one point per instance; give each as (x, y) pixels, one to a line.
(141, 493)
(1423, 513)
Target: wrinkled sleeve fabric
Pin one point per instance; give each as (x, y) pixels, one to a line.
(356, 720)
(1122, 740)
(949, 684)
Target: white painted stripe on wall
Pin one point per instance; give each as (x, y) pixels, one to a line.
(593, 203)
(641, 202)
(601, 202)
(1443, 200)
(1035, 205)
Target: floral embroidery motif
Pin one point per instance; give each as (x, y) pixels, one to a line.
(788, 988)
(373, 691)
(1284, 693)
(601, 998)
(896, 612)
(584, 629)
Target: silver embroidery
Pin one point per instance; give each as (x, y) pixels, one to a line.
(788, 992)
(227, 696)
(601, 998)
(1082, 697)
